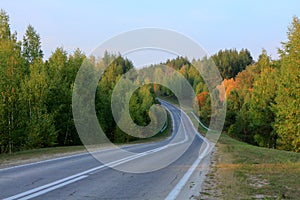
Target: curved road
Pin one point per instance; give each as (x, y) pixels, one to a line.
(83, 177)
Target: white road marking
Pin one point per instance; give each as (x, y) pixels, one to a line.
(43, 161)
(208, 129)
(68, 180)
(52, 188)
(62, 158)
(176, 190)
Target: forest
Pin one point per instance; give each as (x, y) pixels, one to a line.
(263, 96)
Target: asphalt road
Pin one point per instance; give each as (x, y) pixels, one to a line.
(83, 177)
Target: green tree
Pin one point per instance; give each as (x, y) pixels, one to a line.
(5, 33)
(231, 62)
(69, 134)
(238, 105)
(106, 85)
(31, 45)
(62, 70)
(40, 130)
(59, 92)
(287, 106)
(11, 74)
(261, 113)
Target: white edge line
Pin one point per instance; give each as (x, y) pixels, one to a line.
(75, 155)
(52, 188)
(208, 129)
(65, 181)
(43, 161)
(71, 156)
(62, 158)
(176, 190)
(75, 176)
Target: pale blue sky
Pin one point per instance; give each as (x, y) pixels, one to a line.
(213, 24)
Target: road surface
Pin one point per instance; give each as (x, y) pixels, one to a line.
(83, 177)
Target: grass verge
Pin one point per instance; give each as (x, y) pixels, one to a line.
(243, 171)
(34, 155)
(28, 156)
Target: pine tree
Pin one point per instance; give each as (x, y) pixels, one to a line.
(5, 33)
(261, 113)
(31, 45)
(287, 106)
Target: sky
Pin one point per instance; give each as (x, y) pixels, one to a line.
(213, 24)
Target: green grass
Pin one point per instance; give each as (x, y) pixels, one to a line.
(27, 156)
(243, 171)
(248, 154)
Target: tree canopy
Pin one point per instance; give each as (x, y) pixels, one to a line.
(263, 97)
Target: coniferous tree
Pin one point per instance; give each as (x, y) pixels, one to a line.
(31, 45)
(261, 115)
(287, 106)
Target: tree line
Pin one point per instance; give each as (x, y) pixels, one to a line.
(36, 95)
(262, 97)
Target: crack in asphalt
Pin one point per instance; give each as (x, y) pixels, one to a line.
(174, 179)
(35, 181)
